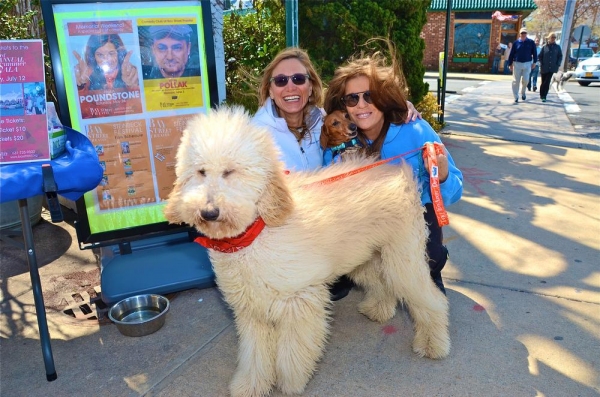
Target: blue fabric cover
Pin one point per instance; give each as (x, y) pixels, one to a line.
(76, 171)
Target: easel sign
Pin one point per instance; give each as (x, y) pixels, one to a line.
(129, 75)
(23, 124)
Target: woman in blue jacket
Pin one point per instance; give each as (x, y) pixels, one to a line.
(373, 95)
(290, 94)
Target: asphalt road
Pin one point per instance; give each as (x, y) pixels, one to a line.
(585, 115)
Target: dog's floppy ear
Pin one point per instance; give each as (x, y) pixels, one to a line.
(324, 137)
(275, 204)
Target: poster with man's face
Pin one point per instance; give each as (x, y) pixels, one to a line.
(170, 69)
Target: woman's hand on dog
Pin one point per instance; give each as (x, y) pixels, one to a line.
(442, 162)
(413, 113)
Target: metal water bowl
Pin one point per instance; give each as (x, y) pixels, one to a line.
(139, 315)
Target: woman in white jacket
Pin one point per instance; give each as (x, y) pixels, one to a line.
(290, 96)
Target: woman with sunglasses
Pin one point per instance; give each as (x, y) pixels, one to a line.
(373, 95)
(290, 94)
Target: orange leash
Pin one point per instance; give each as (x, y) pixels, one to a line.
(430, 152)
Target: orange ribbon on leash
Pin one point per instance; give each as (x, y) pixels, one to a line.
(430, 152)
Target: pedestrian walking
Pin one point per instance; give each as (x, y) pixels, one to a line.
(506, 56)
(534, 73)
(550, 61)
(497, 57)
(521, 61)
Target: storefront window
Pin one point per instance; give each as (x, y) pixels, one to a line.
(472, 39)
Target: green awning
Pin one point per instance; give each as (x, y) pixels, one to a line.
(483, 5)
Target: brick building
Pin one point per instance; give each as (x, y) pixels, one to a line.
(476, 27)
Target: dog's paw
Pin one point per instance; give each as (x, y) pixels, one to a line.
(242, 387)
(379, 311)
(434, 345)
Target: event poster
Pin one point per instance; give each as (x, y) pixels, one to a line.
(134, 73)
(23, 123)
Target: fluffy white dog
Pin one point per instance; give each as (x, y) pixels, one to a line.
(368, 225)
(559, 79)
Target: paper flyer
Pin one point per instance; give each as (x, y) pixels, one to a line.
(165, 135)
(23, 123)
(122, 149)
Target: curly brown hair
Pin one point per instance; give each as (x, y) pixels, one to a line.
(387, 84)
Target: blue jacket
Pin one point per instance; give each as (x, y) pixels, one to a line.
(523, 51)
(305, 156)
(408, 138)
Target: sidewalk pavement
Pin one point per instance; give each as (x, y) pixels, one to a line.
(523, 284)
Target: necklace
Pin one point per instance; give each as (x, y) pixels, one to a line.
(298, 132)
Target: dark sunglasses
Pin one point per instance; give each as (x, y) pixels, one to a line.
(281, 80)
(352, 100)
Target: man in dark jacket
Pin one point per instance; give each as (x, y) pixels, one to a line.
(550, 60)
(521, 61)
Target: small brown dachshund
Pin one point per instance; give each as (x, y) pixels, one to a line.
(339, 134)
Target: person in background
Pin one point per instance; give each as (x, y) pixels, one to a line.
(506, 56)
(497, 58)
(373, 95)
(290, 94)
(550, 61)
(534, 73)
(521, 61)
(105, 64)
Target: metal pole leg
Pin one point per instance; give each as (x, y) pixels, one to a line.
(37, 292)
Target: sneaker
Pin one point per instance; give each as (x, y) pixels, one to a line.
(523, 97)
(543, 99)
(528, 88)
(437, 280)
(516, 100)
(534, 89)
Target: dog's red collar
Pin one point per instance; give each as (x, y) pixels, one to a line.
(234, 244)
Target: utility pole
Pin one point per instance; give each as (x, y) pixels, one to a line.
(291, 23)
(566, 31)
(447, 38)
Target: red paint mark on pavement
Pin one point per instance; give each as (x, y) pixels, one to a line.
(389, 329)
(476, 177)
(478, 308)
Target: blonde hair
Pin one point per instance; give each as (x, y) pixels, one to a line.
(387, 84)
(302, 56)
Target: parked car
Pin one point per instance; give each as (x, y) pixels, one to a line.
(588, 71)
(577, 55)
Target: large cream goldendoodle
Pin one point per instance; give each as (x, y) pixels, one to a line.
(368, 225)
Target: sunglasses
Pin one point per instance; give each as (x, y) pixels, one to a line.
(352, 100)
(281, 80)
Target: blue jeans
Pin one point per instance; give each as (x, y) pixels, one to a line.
(495, 65)
(506, 71)
(533, 77)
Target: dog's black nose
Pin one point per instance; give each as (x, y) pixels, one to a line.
(210, 215)
(352, 127)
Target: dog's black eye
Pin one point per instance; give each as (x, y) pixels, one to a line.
(347, 116)
(336, 123)
(202, 172)
(226, 173)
